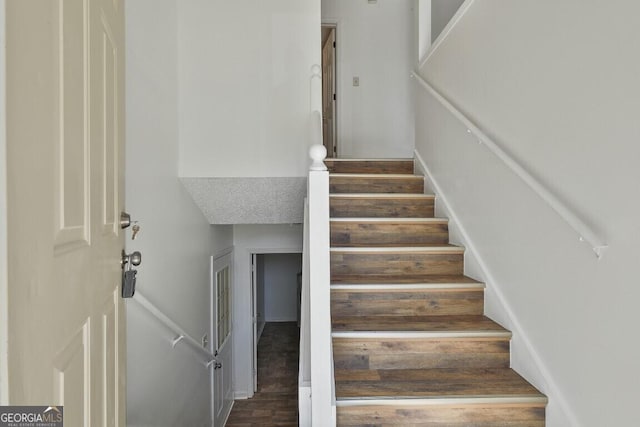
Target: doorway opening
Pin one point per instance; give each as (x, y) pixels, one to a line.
(329, 93)
(277, 281)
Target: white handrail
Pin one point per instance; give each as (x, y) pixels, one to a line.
(180, 336)
(584, 231)
(323, 407)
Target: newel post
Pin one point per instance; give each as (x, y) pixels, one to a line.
(318, 153)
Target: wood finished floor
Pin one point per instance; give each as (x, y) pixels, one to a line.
(276, 401)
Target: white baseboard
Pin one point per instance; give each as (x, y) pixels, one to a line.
(533, 361)
(240, 395)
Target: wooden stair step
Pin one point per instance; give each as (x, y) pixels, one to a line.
(389, 231)
(437, 397)
(398, 301)
(371, 205)
(376, 183)
(399, 279)
(411, 345)
(442, 412)
(440, 383)
(374, 353)
(394, 166)
(415, 326)
(412, 261)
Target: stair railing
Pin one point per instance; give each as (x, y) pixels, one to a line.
(179, 336)
(316, 354)
(585, 232)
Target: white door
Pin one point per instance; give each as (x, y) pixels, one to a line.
(65, 136)
(222, 339)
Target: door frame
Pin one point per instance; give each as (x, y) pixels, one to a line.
(254, 353)
(4, 296)
(337, 26)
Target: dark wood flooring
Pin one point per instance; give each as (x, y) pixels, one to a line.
(276, 401)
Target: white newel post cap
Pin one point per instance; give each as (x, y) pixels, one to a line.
(318, 153)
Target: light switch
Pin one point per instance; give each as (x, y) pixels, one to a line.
(356, 81)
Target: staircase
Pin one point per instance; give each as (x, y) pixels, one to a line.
(411, 344)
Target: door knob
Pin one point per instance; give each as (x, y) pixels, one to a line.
(134, 258)
(128, 273)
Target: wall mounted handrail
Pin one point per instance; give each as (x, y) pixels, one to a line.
(585, 232)
(179, 335)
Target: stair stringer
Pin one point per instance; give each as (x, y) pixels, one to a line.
(524, 358)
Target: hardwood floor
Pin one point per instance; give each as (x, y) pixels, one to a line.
(276, 401)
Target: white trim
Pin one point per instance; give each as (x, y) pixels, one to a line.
(583, 230)
(420, 334)
(523, 399)
(323, 410)
(240, 395)
(402, 249)
(462, 10)
(4, 283)
(514, 323)
(407, 287)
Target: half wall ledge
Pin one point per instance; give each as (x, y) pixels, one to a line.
(263, 200)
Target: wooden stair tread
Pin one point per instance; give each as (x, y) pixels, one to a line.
(381, 205)
(439, 383)
(376, 183)
(385, 196)
(377, 176)
(427, 248)
(395, 287)
(368, 159)
(388, 220)
(449, 324)
(400, 279)
(404, 166)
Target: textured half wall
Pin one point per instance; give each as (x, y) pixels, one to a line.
(249, 200)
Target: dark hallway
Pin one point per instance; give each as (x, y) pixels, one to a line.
(276, 401)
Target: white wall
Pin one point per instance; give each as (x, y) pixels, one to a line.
(441, 13)
(280, 282)
(423, 26)
(3, 222)
(375, 42)
(244, 71)
(165, 387)
(249, 239)
(563, 99)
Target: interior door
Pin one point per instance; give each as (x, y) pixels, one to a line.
(65, 136)
(222, 342)
(329, 93)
